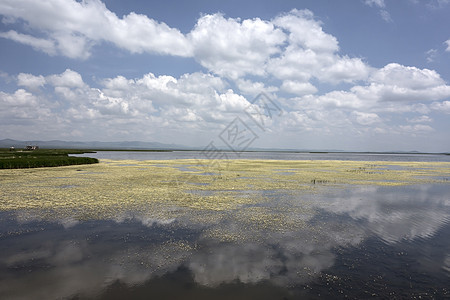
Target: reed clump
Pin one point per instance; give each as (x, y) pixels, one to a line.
(42, 158)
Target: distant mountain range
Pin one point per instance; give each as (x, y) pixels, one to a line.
(126, 145)
(57, 144)
(138, 145)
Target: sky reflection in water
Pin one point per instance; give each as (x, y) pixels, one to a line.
(347, 235)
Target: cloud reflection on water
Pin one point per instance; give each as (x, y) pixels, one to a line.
(84, 259)
(407, 212)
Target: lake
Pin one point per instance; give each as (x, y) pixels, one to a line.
(160, 225)
(143, 155)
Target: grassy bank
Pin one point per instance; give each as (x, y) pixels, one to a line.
(20, 159)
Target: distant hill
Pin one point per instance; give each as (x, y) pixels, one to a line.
(128, 145)
(57, 144)
(138, 145)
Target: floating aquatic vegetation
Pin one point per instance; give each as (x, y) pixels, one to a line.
(169, 190)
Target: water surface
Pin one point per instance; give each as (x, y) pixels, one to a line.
(349, 242)
(142, 155)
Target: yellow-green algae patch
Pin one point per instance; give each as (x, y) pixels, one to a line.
(174, 188)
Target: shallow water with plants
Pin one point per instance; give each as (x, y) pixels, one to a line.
(241, 229)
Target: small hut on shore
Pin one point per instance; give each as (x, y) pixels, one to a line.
(31, 148)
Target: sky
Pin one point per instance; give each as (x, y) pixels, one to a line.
(360, 75)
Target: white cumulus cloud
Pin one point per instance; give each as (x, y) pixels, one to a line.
(378, 3)
(298, 88)
(448, 45)
(366, 118)
(47, 46)
(431, 55)
(443, 106)
(421, 119)
(67, 79)
(231, 47)
(385, 15)
(73, 27)
(408, 77)
(30, 81)
(306, 32)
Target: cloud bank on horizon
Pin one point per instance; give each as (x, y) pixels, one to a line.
(331, 100)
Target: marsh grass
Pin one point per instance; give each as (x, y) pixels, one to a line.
(41, 158)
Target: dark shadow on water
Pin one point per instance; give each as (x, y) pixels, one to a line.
(181, 285)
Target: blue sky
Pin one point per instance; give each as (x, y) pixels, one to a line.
(365, 75)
